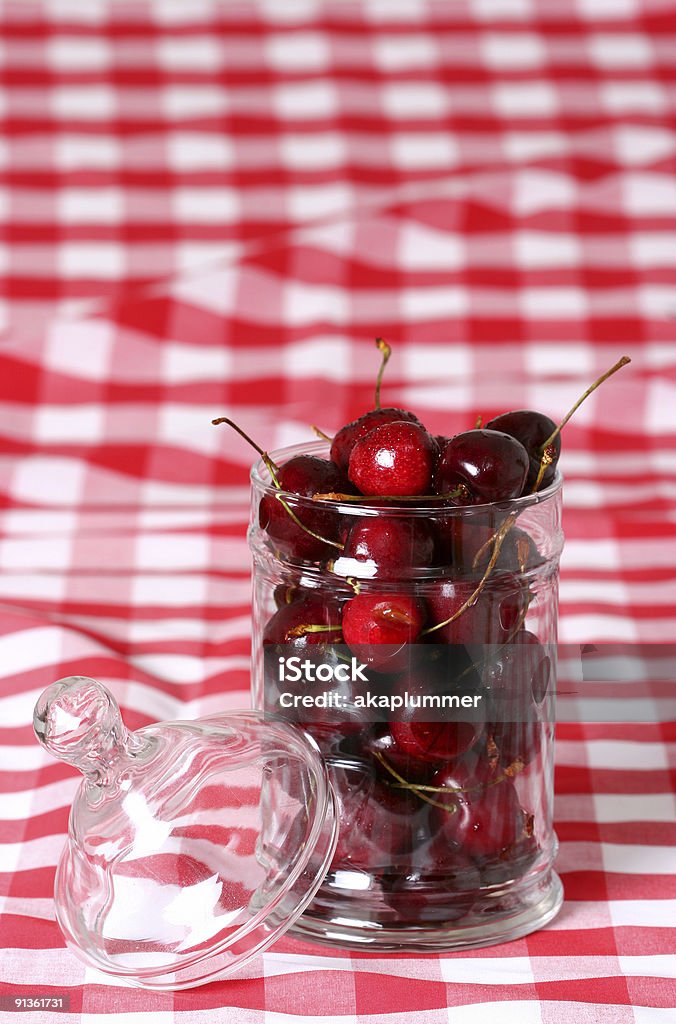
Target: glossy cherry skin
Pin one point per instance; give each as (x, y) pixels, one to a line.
(469, 546)
(292, 623)
(516, 678)
(389, 545)
(439, 735)
(397, 458)
(305, 475)
(531, 429)
(347, 436)
(489, 620)
(379, 825)
(484, 816)
(388, 757)
(482, 466)
(379, 627)
(292, 632)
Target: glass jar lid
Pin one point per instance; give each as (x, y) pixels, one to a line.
(192, 845)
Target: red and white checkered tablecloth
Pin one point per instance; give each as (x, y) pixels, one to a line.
(211, 208)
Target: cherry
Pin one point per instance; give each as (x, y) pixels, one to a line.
(389, 544)
(348, 436)
(531, 429)
(380, 744)
(468, 546)
(286, 593)
(307, 534)
(393, 459)
(379, 824)
(490, 619)
(484, 819)
(309, 629)
(517, 678)
(379, 627)
(482, 466)
(433, 742)
(435, 736)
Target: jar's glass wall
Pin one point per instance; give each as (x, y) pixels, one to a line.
(440, 750)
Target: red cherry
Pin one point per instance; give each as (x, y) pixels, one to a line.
(462, 544)
(517, 678)
(489, 620)
(309, 629)
(380, 744)
(482, 466)
(435, 736)
(379, 627)
(296, 624)
(484, 820)
(531, 429)
(434, 742)
(347, 436)
(378, 823)
(305, 475)
(390, 544)
(396, 458)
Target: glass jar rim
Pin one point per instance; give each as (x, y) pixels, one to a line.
(378, 506)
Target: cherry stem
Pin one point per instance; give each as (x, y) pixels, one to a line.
(304, 628)
(273, 468)
(320, 433)
(369, 498)
(498, 542)
(546, 456)
(386, 351)
(353, 582)
(395, 615)
(450, 808)
(479, 421)
(317, 536)
(421, 790)
(485, 660)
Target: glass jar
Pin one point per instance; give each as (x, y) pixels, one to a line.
(439, 749)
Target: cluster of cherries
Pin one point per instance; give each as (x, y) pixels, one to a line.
(379, 564)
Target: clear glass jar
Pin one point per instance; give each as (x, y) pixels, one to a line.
(444, 793)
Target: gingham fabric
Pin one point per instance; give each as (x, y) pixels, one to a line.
(211, 209)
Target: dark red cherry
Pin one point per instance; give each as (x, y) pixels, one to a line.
(468, 547)
(481, 466)
(516, 677)
(286, 593)
(531, 429)
(490, 619)
(397, 458)
(389, 545)
(305, 475)
(431, 734)
(433, 742)
(347, 436)
(379, 627)
(378, 823)
(380, 744)
(485, 819)
(313, 618)
(309, 629)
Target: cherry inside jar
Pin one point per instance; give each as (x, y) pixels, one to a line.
(416, 643)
